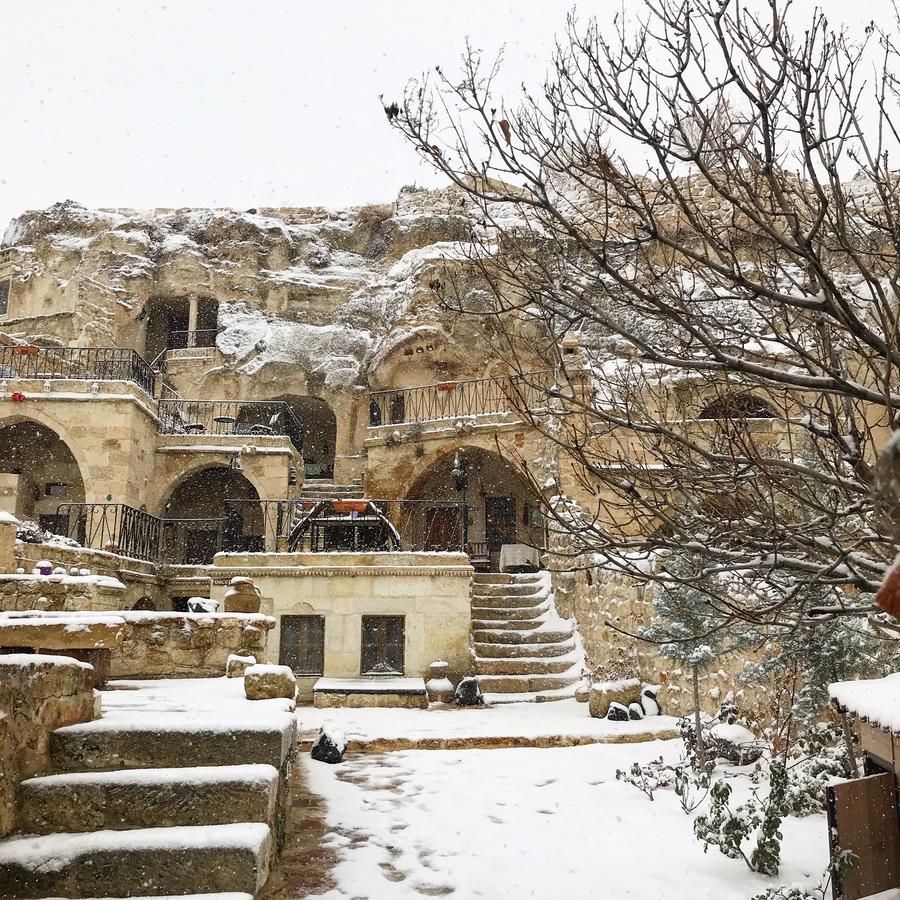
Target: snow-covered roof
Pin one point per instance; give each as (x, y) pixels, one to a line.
(876, 700)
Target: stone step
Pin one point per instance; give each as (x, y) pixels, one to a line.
(564, 693)
(503, 614)
(513, 651)
(229, 895)
(515, 603)
(493, 635)
(146, 798)
(523, 625)
(328, 490)
(143, 862)
(529, 666)
(512, 684)
(508, 590)
(505, 578)
(171, 742)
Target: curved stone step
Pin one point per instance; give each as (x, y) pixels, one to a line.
(492, 635)
(507, 590)
(508, 578)
(146, 798)
(503, 613)
(509, 602)
(520, 625)
(146, 861)
(514, 651)
(513, 684)
(530, 666)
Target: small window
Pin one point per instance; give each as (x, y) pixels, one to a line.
(303, 644)
(383, 639)
(55, 489)
(4, 297)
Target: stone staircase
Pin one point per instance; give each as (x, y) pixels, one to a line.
(148, 811)
(523, 649)
(328, 490)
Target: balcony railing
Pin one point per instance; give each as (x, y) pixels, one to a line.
(189, 340)
(82, 363)
(254, 526)
(459, 399)
(230, 417)
(114, 527)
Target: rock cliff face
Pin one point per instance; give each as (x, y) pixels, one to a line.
(323, 290)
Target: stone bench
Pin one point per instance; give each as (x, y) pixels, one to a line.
(86, 638)
(408, 693)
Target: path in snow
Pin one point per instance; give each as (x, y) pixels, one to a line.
(541, 823)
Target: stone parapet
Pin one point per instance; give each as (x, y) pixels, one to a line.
(62, 593)
(37, 695)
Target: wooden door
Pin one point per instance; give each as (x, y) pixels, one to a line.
(862, 818)
(499, 521)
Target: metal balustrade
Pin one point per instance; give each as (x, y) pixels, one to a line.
(25, 361)
(114, 527)
(230, 417)
(189, 340)
(459, 399)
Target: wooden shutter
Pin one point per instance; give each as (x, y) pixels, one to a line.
(302, 644)
(862, 818)
(383, 639)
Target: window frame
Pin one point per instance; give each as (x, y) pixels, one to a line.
(396, 671)
(306, 671)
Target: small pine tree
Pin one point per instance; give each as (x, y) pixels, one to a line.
(689, 628)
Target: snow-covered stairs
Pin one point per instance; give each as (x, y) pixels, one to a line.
(117, 821)
(523, 649)
(328, 490)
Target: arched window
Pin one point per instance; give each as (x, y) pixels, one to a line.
(737, 406)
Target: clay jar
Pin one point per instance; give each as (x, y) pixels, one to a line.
(243, 596)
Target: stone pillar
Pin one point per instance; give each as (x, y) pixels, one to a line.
(193, 310)
(9, 492)
(8, 524)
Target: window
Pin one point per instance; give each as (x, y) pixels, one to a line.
(383, 639)
(4, 297)
(55, 489)
(303, 644)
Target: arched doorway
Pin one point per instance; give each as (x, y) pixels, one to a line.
(319, 425)
(38, 472)
(500, 506)
(198, 523)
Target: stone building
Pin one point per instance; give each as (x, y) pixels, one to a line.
(183, 385)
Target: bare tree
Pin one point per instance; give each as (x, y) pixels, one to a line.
(705, 200)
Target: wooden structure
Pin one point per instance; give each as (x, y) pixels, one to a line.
(863, 812)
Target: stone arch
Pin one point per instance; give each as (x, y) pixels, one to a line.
(737, 406)
(145, 604)
(422, 356)
(198, 522)
(318, 424)
(40, 469)
(500, 504)
(177, 322)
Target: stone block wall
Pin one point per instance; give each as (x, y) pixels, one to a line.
(37, 695)
(68, 593)
(608, 603)
(187, 645)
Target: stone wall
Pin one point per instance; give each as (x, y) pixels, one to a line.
(60, 593)
(187, 645)
(37, 695)
(430, 590)
(608, 603)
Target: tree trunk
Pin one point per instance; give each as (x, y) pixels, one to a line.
(701, 749)
(848, 741)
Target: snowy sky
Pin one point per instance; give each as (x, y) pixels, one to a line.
(270, 103)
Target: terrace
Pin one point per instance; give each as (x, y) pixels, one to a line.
(495, 401)
(23, 362)
(230, 418)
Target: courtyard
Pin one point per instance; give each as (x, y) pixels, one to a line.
(526, 822)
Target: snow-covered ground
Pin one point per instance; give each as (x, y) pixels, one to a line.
(530, 823)
(528, 720)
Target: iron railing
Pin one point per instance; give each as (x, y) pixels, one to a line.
(229, 417)
(84, 363)
(458, 399)
(189, 340)
(114, 527)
